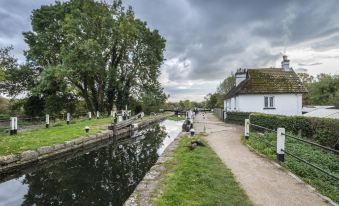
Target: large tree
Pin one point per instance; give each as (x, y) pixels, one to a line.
(98, 51)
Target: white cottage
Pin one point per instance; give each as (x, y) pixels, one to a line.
(267, 90)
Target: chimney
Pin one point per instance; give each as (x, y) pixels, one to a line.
(240, 76)
(285, 64)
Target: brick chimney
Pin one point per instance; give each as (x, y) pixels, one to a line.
(240, 76)
(285, 64)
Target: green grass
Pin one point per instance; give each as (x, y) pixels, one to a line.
(326, 160)
(199, 177)
(57, 133)
(176, 118)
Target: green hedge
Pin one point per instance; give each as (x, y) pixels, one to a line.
(325, 131)
(237, 117)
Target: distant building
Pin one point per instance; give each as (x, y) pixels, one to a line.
(267, 90)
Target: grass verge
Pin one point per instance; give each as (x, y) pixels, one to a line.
(176, 117)
(326, 160)
(57, 133)
(199, 177)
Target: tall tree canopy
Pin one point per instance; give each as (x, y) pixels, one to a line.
(98, 51)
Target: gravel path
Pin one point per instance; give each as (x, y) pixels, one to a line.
(264, 182)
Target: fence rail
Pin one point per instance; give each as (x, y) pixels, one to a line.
(280, 147)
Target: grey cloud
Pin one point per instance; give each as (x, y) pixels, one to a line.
(310, 64)
(207, 40)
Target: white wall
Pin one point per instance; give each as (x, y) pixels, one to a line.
(284, 104)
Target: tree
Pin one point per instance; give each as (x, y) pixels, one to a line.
(152, 101)
(325, 91)
(213, 100)
(98, 51)
(226, 85)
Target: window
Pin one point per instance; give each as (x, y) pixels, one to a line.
(269, 102)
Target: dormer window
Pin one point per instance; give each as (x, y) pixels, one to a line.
(269, 102)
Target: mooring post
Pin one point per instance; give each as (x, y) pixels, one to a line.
(247, 128)
(280, 144)
(89, 115)
(68, 117)
(47, 120)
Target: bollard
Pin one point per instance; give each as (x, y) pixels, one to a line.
(192, 131)
(280, 144)
(120, 118)
(47, 120)
(98, 114)
(89, 115)
(87, 129)
(11, 132)
(247, 128)
(68, 117)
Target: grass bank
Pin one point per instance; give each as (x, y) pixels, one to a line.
(199, 177)
(177, 117)
(57, 133)
(326, 160)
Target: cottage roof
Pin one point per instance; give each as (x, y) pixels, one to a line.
(268, 81)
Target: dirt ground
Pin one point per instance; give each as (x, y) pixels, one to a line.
(264, 182)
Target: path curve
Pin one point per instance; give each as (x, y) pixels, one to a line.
(264, 182)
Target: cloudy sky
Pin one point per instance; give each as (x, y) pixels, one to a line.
(207, 40)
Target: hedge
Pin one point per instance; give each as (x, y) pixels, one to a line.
(237, 117)
(324, 131)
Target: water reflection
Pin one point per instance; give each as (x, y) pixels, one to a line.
(106, 176)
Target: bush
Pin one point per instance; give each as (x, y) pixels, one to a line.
(237, 117)
(325, 131)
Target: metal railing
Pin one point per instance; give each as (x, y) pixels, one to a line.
(280, 147)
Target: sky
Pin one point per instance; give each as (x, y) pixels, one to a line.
(208, 40)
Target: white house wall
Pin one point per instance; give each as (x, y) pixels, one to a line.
(284, 104)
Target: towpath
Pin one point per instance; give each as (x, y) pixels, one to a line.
(264, 182)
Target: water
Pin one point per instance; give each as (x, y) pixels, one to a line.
(106, 176)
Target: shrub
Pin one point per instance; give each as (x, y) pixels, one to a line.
(325, 131)
(237, 117)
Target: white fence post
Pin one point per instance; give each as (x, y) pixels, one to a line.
(280, 144)
(47, 120)
(15, 125)
(89, 115)
(68, 117)
(11, 131)
(98, 114)
(247, 128)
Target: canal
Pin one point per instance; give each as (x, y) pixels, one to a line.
(105, 176)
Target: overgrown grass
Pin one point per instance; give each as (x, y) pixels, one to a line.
(57, 133)
(326, 160)
(199, 177)
(176, 117)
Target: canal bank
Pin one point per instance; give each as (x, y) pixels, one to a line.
(13, 162)
(105, 175)
(151, 184)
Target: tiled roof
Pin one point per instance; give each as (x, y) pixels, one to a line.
(269, 81)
